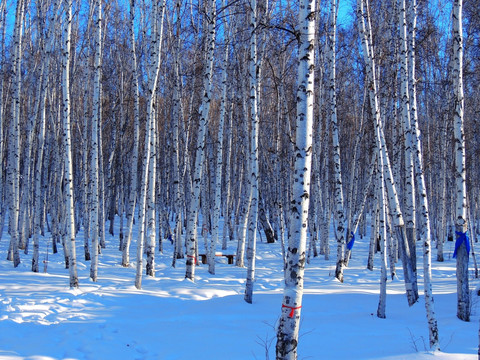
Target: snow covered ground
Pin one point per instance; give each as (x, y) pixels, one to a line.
(171, 318)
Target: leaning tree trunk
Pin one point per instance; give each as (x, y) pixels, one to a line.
(155, 54)
(420, 180)
(289, 323)
(462, 245)
(393, 202)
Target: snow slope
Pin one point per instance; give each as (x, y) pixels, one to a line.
(172, 318)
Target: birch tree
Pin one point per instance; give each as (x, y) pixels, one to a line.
(153, 74)
(289, 323)
(219, 147)
(3, 17)
(68, 168)
(462, 245)
(177, 116)
(393, 202)
(13, 168)
(132, 199)
(425, 228)
(191, 233)
(94, 168)
(253, 178)
(41, 129)
(382, 235)
(337, 168)
(409, 188)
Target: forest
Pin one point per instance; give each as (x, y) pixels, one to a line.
(210, 124)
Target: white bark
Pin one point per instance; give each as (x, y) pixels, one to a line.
(177, 118)
(155, 55)
(254, 171)
(420, 181)
(382, 235)
(461, 225)
(150, 266)
(13, 168)
(244, 202)
(393, 203)
(136, 139)
(94, 168)
(68, 171)
(409, 188)
(219, 151)
(289, 323)
(191, 239)
(49, 41)
(337, 167)
(3, 17)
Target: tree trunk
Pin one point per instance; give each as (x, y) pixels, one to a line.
(136, 139)
(68, 174)
(49, 41)
(155, 55)
(393, 202)
(289, 323)
(382, 234)
(462, 245)
(337, 167)
(13, 168)
(254, 170)
(94, 168)
(191, 239)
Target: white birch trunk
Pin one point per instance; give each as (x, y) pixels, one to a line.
(3, 17)
(373, 237)
(13, 168)
(68, 171)
(50, 38)
(337, 168)
(289, 323)
(94, 168)
(461, 224)
(244, 202)
(409, 188)
(150, 266)
(253, 178)
(177, 118)
(442, 232)
(228, 207)
(136, 139)
(219, 152)
(191, 239)
(420, 180)
(393, 203)
(155, 54)
(382, 235)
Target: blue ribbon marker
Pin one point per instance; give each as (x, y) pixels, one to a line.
(462, 237)
(351, 242)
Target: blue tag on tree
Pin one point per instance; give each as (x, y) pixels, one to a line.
(351, 242)
(462, 237)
